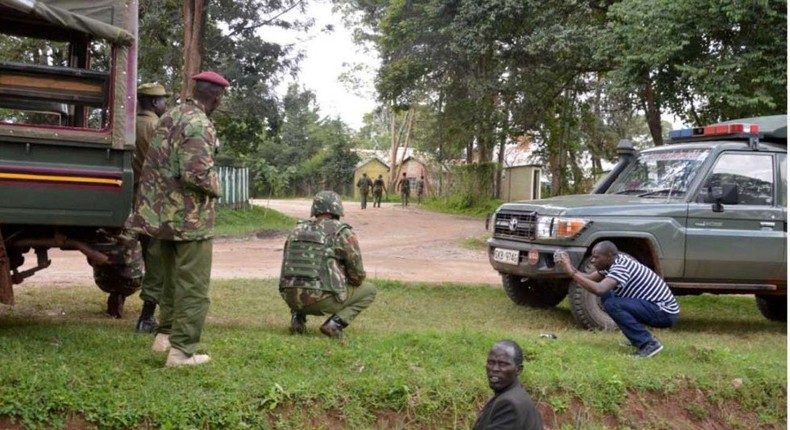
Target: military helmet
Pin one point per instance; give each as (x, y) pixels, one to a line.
(327, 202)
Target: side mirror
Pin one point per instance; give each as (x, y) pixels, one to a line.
(726, 194)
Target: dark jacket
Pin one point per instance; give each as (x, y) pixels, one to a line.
(511, 409)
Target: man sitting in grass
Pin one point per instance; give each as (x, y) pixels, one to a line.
(632, 294)
(322, 270)
(511, 408)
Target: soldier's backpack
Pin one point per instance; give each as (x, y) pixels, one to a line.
(309, 260)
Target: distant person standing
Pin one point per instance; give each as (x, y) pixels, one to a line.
(405, 189)
(364, 184)
(175, 207)
(378, 189)
(151, 104)
(511, 408)
(420, 189)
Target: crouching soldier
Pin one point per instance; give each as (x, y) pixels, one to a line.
(322, 269)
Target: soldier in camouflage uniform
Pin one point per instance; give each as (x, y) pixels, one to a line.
(151, 99)
(405, 189)
(322, 272)
(378, 188)
(175, 207)
(420, 189)
(364, 183)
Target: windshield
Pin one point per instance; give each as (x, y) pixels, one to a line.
(660, 174)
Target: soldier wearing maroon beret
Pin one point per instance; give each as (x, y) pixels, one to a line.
(175, 207)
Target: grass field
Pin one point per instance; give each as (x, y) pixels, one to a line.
(255, 219)
(415, 359)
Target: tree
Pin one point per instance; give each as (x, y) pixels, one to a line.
(703, 61)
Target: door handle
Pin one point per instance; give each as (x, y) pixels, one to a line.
(767, 224)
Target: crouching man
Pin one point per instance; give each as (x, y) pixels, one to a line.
(632, 294)
(322, 272)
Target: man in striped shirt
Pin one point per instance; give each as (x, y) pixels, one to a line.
(632, 294)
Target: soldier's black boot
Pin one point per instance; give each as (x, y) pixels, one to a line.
(298, 323)
(333, 327)
(115, 305)
(147, 323)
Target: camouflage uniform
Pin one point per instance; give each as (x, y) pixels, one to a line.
(175, 207)
(364, 183)
(405, 190)
(322, 271)
(420, 189)
(378, 188)
(147, 120)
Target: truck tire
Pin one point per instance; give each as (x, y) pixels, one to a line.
(586, 308)
(536, 294)
(773, 307)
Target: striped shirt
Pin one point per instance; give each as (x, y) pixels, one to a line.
(637, 281)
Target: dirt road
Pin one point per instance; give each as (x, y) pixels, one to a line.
(408, 244)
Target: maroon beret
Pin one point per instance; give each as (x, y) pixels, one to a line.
(213, 77)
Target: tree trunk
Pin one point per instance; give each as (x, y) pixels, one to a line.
(653, 114)
(194, 11)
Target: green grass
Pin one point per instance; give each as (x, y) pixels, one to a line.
(418, 351)
(241, 222)
(456, 206)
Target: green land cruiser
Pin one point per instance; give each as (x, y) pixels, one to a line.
(68, 81)
(707, 212)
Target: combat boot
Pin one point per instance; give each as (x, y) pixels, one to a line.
(147, 323)
(161, 343)
(298, 323)
(177, 358)
(333, 327)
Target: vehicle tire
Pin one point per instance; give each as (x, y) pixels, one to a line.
(536, 294)
(586, 307)
(773, 307)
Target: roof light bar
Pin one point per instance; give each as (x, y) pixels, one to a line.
(714, 130)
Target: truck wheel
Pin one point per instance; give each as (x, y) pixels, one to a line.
(587, 309)
(773, 307)
(536, 294)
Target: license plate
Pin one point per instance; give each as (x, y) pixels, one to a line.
(507, 256)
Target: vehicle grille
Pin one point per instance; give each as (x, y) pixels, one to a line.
(522, 228)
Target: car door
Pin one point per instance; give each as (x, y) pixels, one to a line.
(745, 241)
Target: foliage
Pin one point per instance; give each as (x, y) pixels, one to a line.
(473, 183)
(409, 357)
(709, 60)
(309, 154)
(573, 77)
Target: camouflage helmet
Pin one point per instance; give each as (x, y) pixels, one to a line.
(327, 202)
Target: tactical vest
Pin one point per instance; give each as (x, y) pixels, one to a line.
(310, 261)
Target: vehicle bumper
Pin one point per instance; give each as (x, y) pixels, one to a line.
(544, 267)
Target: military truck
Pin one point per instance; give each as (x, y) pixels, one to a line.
(707, 212)
(67, 133)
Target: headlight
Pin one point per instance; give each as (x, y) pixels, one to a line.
(543, 227)
(559, 227)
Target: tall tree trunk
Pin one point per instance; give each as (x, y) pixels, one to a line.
(500, 164)
(393, 151)
(653, 114)
(194, 13)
